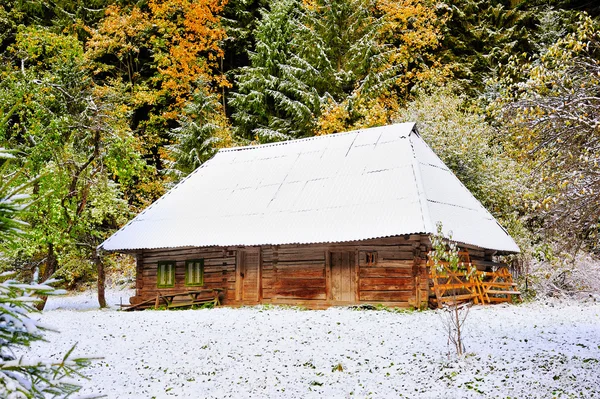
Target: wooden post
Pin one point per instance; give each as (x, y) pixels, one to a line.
(238, 274)
(139, 273)
(327, 275)
(259, 276)
(356, 276)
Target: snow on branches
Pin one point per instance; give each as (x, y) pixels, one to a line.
(24, 376)
(555, 114)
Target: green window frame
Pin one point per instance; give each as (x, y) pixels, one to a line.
(165, 274)
(194, 272)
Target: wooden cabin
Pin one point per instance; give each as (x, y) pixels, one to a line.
(329, 220)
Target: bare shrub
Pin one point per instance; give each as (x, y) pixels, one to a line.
(566, 276)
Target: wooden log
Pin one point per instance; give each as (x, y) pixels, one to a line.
(386, 284)
(383, 256)
(402, 296)
(300, 272)
(386, 272)
(299, 283)
(296, 255)
(301, 293)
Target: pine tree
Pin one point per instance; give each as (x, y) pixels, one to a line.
(308, 55)
(346, 58)
(203, 129)
(324, 65)
(271, 103)
(479, 35)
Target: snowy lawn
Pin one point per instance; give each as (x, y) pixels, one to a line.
(532, 350)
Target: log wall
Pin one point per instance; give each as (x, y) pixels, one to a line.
(391, 271)
(219, 270)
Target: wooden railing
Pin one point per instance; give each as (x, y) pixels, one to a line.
(470, 285)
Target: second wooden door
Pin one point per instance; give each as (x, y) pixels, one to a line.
(249, 275)
(343, 287)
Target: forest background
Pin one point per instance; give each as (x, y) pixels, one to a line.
(105, 105)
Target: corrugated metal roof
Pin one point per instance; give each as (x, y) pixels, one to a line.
(358, 185)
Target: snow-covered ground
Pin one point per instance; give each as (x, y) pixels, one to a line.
(534, 350)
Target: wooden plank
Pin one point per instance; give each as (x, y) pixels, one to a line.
(336, 275)
(299, 283)
(139, 273)
(356, 276)
(299, 255)
(327, 275)
(302, 293)
(395, 255)
(259, 277)
(373, 284)
(250, 274)
(301, 263)
(463, 297)
(386, 295)
(300, 272)
(152, 258)
(498, 285)
(388, 263)
(238, 275)
(390, 287)
(502, 292)
(347, 276)
(386, 272)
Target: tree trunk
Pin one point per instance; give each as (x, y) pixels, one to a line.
(47, 271)
(101, 278)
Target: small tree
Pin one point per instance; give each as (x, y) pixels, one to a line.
(445, 254)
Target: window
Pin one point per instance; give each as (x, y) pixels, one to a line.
(371, 258)
(165, 276)
(194, 272)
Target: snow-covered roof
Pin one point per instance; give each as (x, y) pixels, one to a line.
(364, 184)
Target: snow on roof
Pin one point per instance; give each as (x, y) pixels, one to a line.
(358, 185)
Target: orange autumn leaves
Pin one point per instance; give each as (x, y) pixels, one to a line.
(162, 50)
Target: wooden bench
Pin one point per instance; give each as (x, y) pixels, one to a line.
(193, 298)
(181, 299)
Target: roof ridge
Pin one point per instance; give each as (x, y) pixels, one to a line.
(311, 138)
(426, 217)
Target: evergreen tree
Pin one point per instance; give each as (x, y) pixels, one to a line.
(308, 55)
(240, 19)
(202, 130)
(479, 35)
(271, 102)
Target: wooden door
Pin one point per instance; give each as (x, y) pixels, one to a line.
(342, 276)
(248, 274)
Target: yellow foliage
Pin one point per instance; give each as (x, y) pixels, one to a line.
(336, 117)
(333, 119)
(414, 29)
(184, 38)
